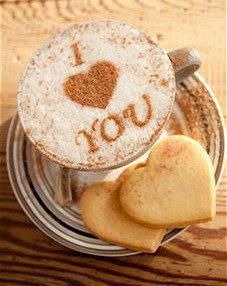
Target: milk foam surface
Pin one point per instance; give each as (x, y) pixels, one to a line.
(53, 121)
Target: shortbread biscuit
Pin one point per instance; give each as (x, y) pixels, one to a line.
(176, 187)
(103, 215)
(127, 172)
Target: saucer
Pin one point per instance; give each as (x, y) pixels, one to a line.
(196, 113)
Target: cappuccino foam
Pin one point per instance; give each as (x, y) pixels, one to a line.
(96, 94)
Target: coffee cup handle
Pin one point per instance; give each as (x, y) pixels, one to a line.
(63, 192)
(185, 62)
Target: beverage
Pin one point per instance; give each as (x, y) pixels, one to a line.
(96, 95)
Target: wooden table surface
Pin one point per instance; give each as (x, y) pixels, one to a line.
(29, 257)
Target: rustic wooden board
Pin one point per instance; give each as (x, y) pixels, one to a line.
(28, 257)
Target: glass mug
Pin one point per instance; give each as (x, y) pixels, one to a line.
(185, 62)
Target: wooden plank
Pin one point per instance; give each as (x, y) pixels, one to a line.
(28, 257)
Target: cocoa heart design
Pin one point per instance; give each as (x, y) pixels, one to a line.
(94, 88)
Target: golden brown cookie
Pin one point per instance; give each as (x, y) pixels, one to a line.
(176, 187)
(127, 172)
(103, 215)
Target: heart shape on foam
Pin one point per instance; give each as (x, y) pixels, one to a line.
(103, 215)
(94, 88)
(176, 187)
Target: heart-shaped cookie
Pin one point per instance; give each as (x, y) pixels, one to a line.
(176, 187)
(103, 215)
(94, 88)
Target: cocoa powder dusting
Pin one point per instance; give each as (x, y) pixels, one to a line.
(133, 115)
(201, 119)
(51, 58)
(91, 142)
(126, 112)
(153, 77)
(94, 88)
(119, 122)
(164, 83)
(77, 54)
(150, 41)
(94, 124)
(174, 126)
(154, 135)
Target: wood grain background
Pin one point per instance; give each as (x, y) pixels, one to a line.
(27, 256)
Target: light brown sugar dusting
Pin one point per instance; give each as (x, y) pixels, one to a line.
(94, 88)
